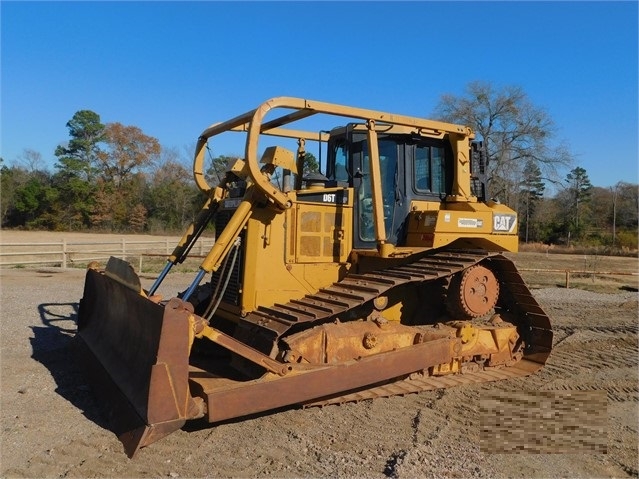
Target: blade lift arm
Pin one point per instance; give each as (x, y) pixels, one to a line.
(191, 235)
(225, 241)
(205, 216)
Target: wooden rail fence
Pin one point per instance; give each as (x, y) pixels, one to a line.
(69, 253)
(568, 272)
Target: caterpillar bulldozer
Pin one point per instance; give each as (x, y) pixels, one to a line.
(382, 275)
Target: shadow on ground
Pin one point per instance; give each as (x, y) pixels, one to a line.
(53, 345)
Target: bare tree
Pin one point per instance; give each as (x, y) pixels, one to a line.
(30, 160)
(513, 130)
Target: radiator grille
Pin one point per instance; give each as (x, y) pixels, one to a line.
(232, 295)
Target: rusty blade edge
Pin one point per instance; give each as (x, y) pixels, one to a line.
(262, 395)
(124, 421)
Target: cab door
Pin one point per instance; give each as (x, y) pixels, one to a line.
(349, 164)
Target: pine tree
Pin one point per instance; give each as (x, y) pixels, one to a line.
(77, 158)
(75, 179)
(580, 190)
(531, 191)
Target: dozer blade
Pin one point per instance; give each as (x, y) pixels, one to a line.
(137, 356)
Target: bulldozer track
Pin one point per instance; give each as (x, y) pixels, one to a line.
(354, 290)
(533, 324)
(357, 289)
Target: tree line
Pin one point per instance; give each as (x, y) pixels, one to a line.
(108, 177)
(113, 177)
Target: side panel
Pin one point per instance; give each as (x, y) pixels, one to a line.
(477, 225)
(322, 227)
(293, 253)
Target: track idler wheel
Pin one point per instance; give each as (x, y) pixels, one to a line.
(472, 293)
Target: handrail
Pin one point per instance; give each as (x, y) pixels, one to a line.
(253, 123)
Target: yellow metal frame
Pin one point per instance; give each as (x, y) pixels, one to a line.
(316, 238)
(254, 124)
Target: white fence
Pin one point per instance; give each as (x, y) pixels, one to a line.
(67, 253)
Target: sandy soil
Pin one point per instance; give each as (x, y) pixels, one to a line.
(52, 426)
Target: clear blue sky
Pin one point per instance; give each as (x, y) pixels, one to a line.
(173, 68)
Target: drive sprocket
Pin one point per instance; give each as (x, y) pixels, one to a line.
(472, 293)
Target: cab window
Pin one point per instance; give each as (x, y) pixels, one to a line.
(429, 174)
(340, 172)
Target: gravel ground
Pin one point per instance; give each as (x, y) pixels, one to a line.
(52, 427)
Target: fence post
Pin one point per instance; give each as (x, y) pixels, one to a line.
(64, 253)
(123, 248)
(140, 268)
(166, 240)
(567, 279)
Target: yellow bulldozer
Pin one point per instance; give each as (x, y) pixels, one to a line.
(382, 274)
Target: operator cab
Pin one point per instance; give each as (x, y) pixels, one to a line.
(412, 167)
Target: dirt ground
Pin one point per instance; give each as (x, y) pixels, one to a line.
(52, 426)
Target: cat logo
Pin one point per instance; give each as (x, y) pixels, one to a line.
(504, 223)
